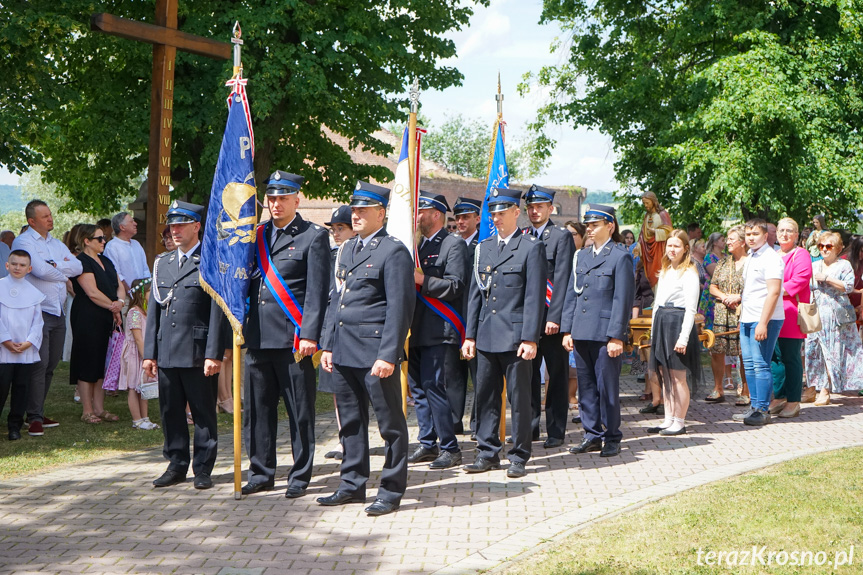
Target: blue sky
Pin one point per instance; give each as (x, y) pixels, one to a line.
(507, 37)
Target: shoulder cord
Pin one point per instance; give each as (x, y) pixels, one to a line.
(577, 289)
(484, 287)
(339, 282)
(161, 301)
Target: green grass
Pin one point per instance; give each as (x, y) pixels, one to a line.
(77, 442)
(809, 504)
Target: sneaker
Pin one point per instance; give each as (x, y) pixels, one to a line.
(149, 424)
(35, 429)
(48, 422)
(758, 417)
(744, 415)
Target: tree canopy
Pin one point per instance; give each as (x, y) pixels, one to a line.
(462, 146)
(78, 102)
(723, 108)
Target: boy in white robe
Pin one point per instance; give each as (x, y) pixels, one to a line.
(20, 337)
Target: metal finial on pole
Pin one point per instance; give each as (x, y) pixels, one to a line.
(499, 98)
(237, 42)
(415, 96)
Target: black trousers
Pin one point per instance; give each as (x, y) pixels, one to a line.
(177, 386)
(491, 370)
(455, 374)
(355, 388)
(556, 358)
(598, 390)
(274, 373)
(426, 375)
(15, 377)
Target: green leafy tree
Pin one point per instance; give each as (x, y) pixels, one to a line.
(462, 146)
(723, 108)
(343, 65)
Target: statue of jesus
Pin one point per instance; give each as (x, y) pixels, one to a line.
(651, 241)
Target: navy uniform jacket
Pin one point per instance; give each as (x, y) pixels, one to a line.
(188, 328)
(559, 249)
(511, 311)
(302, 257)
(444, 262)
(471, 252)
(603, 308)
(369, 317)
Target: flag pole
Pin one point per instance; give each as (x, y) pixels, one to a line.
(412, 154)
(238, 336)
(499, 99)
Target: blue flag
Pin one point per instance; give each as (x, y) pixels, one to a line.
(498, 177)
(228, 247)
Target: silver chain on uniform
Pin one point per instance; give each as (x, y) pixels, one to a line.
(484, 287)
(167, 298)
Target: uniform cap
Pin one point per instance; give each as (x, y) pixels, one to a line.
(466, 206)
(184, 213)
(599, 212)
(341, 215)
(430, 201)
(284, 183)
(538, 194)
(366, 194)
(502, 199)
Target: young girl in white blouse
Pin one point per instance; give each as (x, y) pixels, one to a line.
(20, 337)
(674, 353)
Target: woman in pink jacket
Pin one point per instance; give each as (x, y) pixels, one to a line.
(795, 289)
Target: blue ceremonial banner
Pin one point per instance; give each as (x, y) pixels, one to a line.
(498, 177)
(228, 247)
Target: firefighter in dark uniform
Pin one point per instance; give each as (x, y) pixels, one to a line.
(340, 227)
(505, 313)
(596, 322)
(441, 285)
(559, 248)
(367, 326)
(184, 346)
(466, 212)
(279, 356)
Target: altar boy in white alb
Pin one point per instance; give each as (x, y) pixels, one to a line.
(20, 337)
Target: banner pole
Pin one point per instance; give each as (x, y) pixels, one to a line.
(238, 414)
(412, 154)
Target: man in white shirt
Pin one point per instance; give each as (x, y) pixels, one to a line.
(761, 319)
(53, 265)
(127, 254)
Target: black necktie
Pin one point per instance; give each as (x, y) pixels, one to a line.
(500, 245)
(535, 233)
(183, 260)
(358, 248)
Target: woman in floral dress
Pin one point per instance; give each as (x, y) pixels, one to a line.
(834, 355)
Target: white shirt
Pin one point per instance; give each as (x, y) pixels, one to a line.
(763, 264)
(538, 231)
(20, 323)
(507, 238)
(128, 258)
(47, 278)
(181, 253)
(679, 290)
(596, 250)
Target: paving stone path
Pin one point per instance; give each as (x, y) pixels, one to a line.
(104, 517)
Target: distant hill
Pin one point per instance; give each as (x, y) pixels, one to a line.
(601, 197)
(10, 199)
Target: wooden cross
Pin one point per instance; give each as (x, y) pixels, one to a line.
(166, 40)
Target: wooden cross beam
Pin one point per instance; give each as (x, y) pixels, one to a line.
(166, 40)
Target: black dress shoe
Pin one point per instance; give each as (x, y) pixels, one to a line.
(516, 470)
(14, 434)
(509, 439)
(473, 435)
(681, 431)
(423, 454)
(294, 491)
(203, 481)
(610, 449)
(576, 419)
(341, 498)
(481, 465)
(587, 445)
(650, 408)
(170, 477)
(250, 488)
(654, 430)
(535, 435)
(381, 507)
(552, 442)
(446, 460)
(458, 429)
(333, 455)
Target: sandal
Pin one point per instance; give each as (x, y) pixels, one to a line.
(645, 397)
(107, 416)
(90, 418)
(729, 383)
(743, 400)
(715, 397)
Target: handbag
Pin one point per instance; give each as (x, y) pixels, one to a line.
(148, 389)
(113, 361)
(808, 318)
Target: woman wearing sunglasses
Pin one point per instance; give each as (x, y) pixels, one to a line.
(834, 355)
(95, 310)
